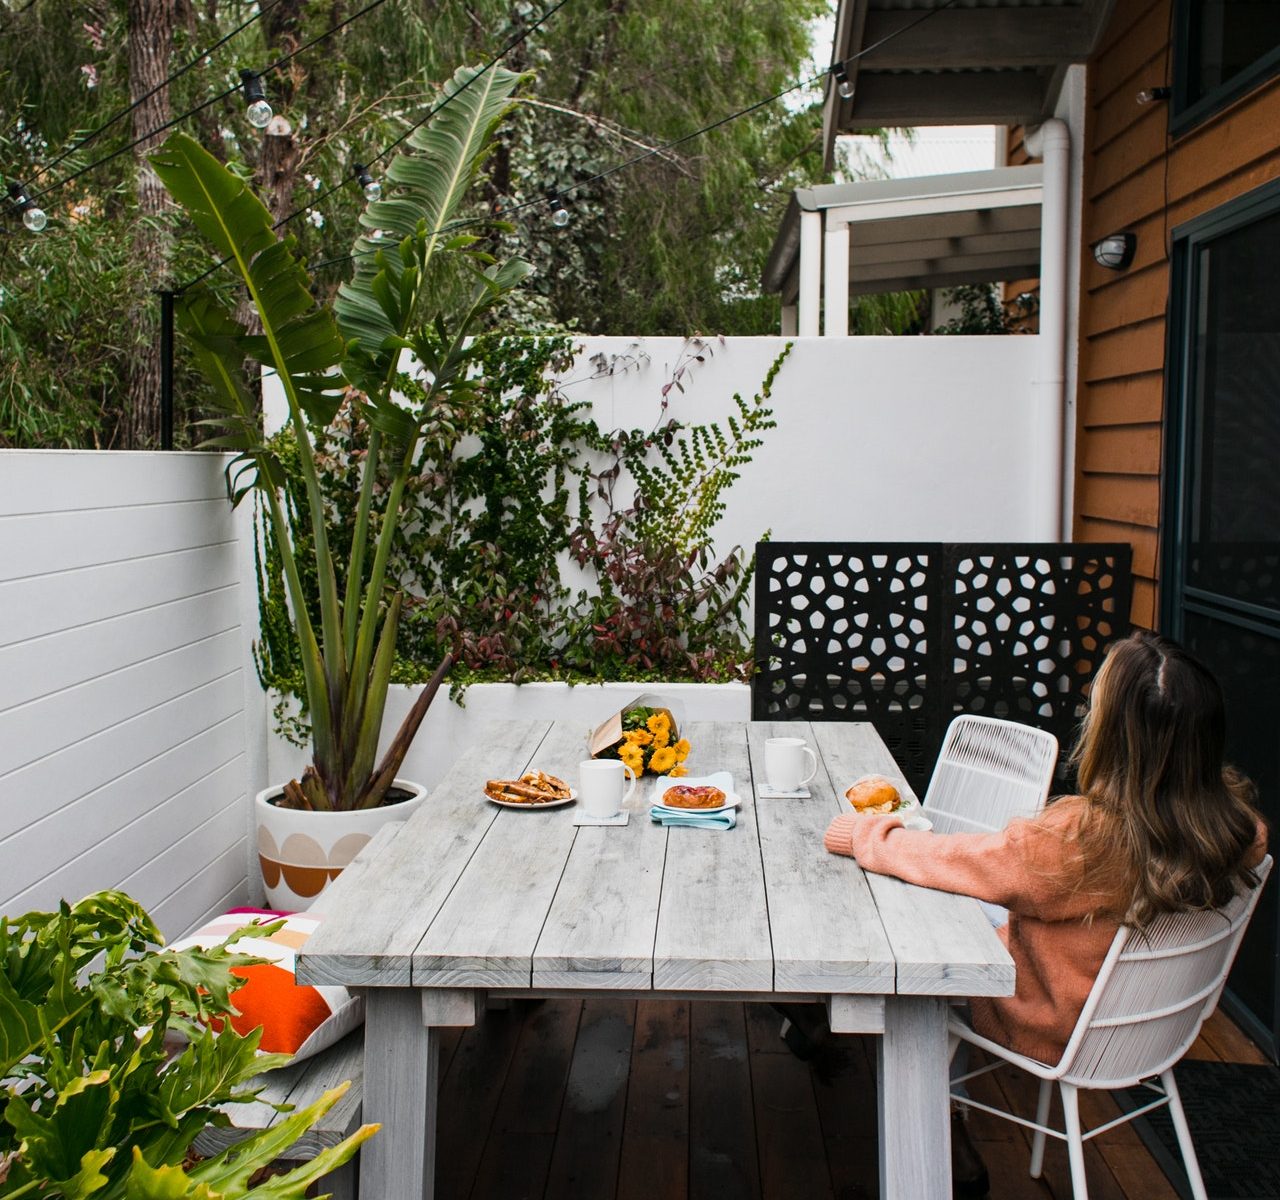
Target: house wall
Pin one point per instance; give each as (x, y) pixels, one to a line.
(1138, 179)
(123, 757)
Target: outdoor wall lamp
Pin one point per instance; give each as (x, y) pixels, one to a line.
(1115, 251)
(1152, 94)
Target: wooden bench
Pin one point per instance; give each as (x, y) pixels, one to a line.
(302, 1084)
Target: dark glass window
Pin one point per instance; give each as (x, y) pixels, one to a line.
(1223, 48)
(1233, 509)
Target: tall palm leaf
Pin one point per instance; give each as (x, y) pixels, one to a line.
(347, 666)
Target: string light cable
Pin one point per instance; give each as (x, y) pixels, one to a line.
(360, 171)
(200, 58)
(236, 87)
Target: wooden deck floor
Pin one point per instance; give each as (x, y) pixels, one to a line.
(658, 1100)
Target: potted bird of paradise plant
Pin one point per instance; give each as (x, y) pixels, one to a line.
(310, 827)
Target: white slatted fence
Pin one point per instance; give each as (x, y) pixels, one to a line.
(124, 589)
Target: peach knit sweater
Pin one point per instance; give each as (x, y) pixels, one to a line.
(1058, 933)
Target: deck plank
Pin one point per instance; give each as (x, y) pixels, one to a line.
(589, 1141)
(655, 1141)
(722, 1131)
(470, 1090)
(793, 1160)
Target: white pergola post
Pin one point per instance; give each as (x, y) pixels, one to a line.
(835, 279)
(809, 300)
(790, 325)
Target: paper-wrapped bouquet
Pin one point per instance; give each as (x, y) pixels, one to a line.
(645, 735)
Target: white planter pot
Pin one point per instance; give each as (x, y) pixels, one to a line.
(300, 853)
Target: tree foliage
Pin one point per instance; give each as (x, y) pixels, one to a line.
(674, 244)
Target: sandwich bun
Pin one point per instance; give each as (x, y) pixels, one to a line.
(874, 794)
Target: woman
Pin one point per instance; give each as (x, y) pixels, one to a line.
(1161, 824)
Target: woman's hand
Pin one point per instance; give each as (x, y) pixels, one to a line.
(839, 836)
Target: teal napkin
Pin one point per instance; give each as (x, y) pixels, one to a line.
(661, 815)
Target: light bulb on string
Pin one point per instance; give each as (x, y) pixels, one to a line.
(371, 187)
(34, 218)
(559, 214)
(258, 112)
(844, 85)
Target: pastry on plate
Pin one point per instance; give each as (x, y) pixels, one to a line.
(685, 796)
(534, 787)
(874, 794)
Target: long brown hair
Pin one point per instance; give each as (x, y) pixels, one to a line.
(1166, 814)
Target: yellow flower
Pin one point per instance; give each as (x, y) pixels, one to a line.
(682, 749)
(662, 761)
(677, 771)
(661, 738)
(638, 737)
(633, 756)
(659, 723)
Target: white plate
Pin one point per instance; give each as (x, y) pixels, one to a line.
(569, 799)
(730, 801)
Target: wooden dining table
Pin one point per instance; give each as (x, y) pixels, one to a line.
(468, 900)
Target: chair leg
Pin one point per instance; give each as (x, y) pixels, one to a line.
(1042, 1119)
(1075, 1140)
(1183, 1131)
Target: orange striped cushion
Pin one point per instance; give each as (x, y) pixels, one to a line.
(294, 1019)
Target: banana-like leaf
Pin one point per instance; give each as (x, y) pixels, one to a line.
(428, 182)
(299, 339)
(229, 1172)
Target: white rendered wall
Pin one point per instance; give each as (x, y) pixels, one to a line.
(878, 438)
(123, 742)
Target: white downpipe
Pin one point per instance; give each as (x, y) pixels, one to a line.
(1052, 143)
(810, 298)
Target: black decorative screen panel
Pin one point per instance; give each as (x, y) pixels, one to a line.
(849, 633)
(907, 635)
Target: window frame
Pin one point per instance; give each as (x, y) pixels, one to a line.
(1185, 115)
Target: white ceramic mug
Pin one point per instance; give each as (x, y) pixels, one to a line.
(600, 783)
(784, 763)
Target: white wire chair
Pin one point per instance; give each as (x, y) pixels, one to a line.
(988, 773)
(1154, 992)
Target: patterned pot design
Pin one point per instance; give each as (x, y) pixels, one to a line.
(301, 852)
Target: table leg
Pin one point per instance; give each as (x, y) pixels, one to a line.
(914, 1108)
(400, 1065)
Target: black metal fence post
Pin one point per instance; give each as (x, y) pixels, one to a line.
(166, 370)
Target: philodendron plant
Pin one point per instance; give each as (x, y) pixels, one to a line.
(96, 1102)
(320, 355)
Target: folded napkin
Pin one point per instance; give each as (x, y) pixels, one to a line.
(725, 819)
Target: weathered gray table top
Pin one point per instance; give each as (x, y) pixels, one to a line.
(470, 895)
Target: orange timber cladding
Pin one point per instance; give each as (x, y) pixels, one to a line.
(1138, 178)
